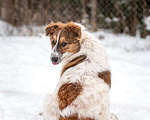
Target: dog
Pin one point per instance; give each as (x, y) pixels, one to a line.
(82, 92)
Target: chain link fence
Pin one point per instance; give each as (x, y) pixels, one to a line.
(120, 16)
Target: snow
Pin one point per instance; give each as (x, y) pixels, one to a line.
(108, 20)
(27, 75)
(6, 29)
(125, 42)
(115, 19)
(147, 22)
(9, 30)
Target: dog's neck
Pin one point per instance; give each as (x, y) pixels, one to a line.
(73, 63)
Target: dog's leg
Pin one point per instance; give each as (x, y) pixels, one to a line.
(51, 111)
(113, 117)
(92, 105)
(41, 114)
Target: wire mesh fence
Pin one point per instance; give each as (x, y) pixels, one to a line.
(120, 16)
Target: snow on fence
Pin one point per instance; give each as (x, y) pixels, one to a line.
(120, 16)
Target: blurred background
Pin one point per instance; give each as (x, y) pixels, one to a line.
(120, 16)
(27, 75)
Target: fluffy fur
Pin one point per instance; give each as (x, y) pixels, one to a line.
(93, 100)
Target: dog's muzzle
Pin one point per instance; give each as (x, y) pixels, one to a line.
(56, 59)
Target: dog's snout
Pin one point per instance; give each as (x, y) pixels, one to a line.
(54, 59)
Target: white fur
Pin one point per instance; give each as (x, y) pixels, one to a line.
(94, 98)
(54, 50)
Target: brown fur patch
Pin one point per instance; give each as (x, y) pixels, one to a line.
(74, 62)
(67, 93)
(52, 27)
(106, 76)
(70, 34)
(73, 30)
(70, 28)
(74, 117)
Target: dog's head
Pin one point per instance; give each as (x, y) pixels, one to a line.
(64, 38)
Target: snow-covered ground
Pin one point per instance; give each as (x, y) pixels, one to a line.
(27, 75)
(9, 30)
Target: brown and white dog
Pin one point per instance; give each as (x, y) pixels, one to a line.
(83, 89)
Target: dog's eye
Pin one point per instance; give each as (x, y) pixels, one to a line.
(50, 33)
(64, 44)
(76, 34)
(53, 42)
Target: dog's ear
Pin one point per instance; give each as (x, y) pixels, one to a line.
(74, 30)
(51, 28)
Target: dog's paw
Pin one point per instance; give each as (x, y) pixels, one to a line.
(41, 114)
(113, 117)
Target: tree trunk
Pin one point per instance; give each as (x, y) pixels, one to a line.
(143, 26)
(4, 11)
(94, 15)
(134, 21)
(85, 16)
(0, 10)
(121, 16)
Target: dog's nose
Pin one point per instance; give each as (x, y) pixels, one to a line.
(54, 59)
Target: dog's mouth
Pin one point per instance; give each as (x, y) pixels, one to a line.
(58, 59)
(55, 63)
